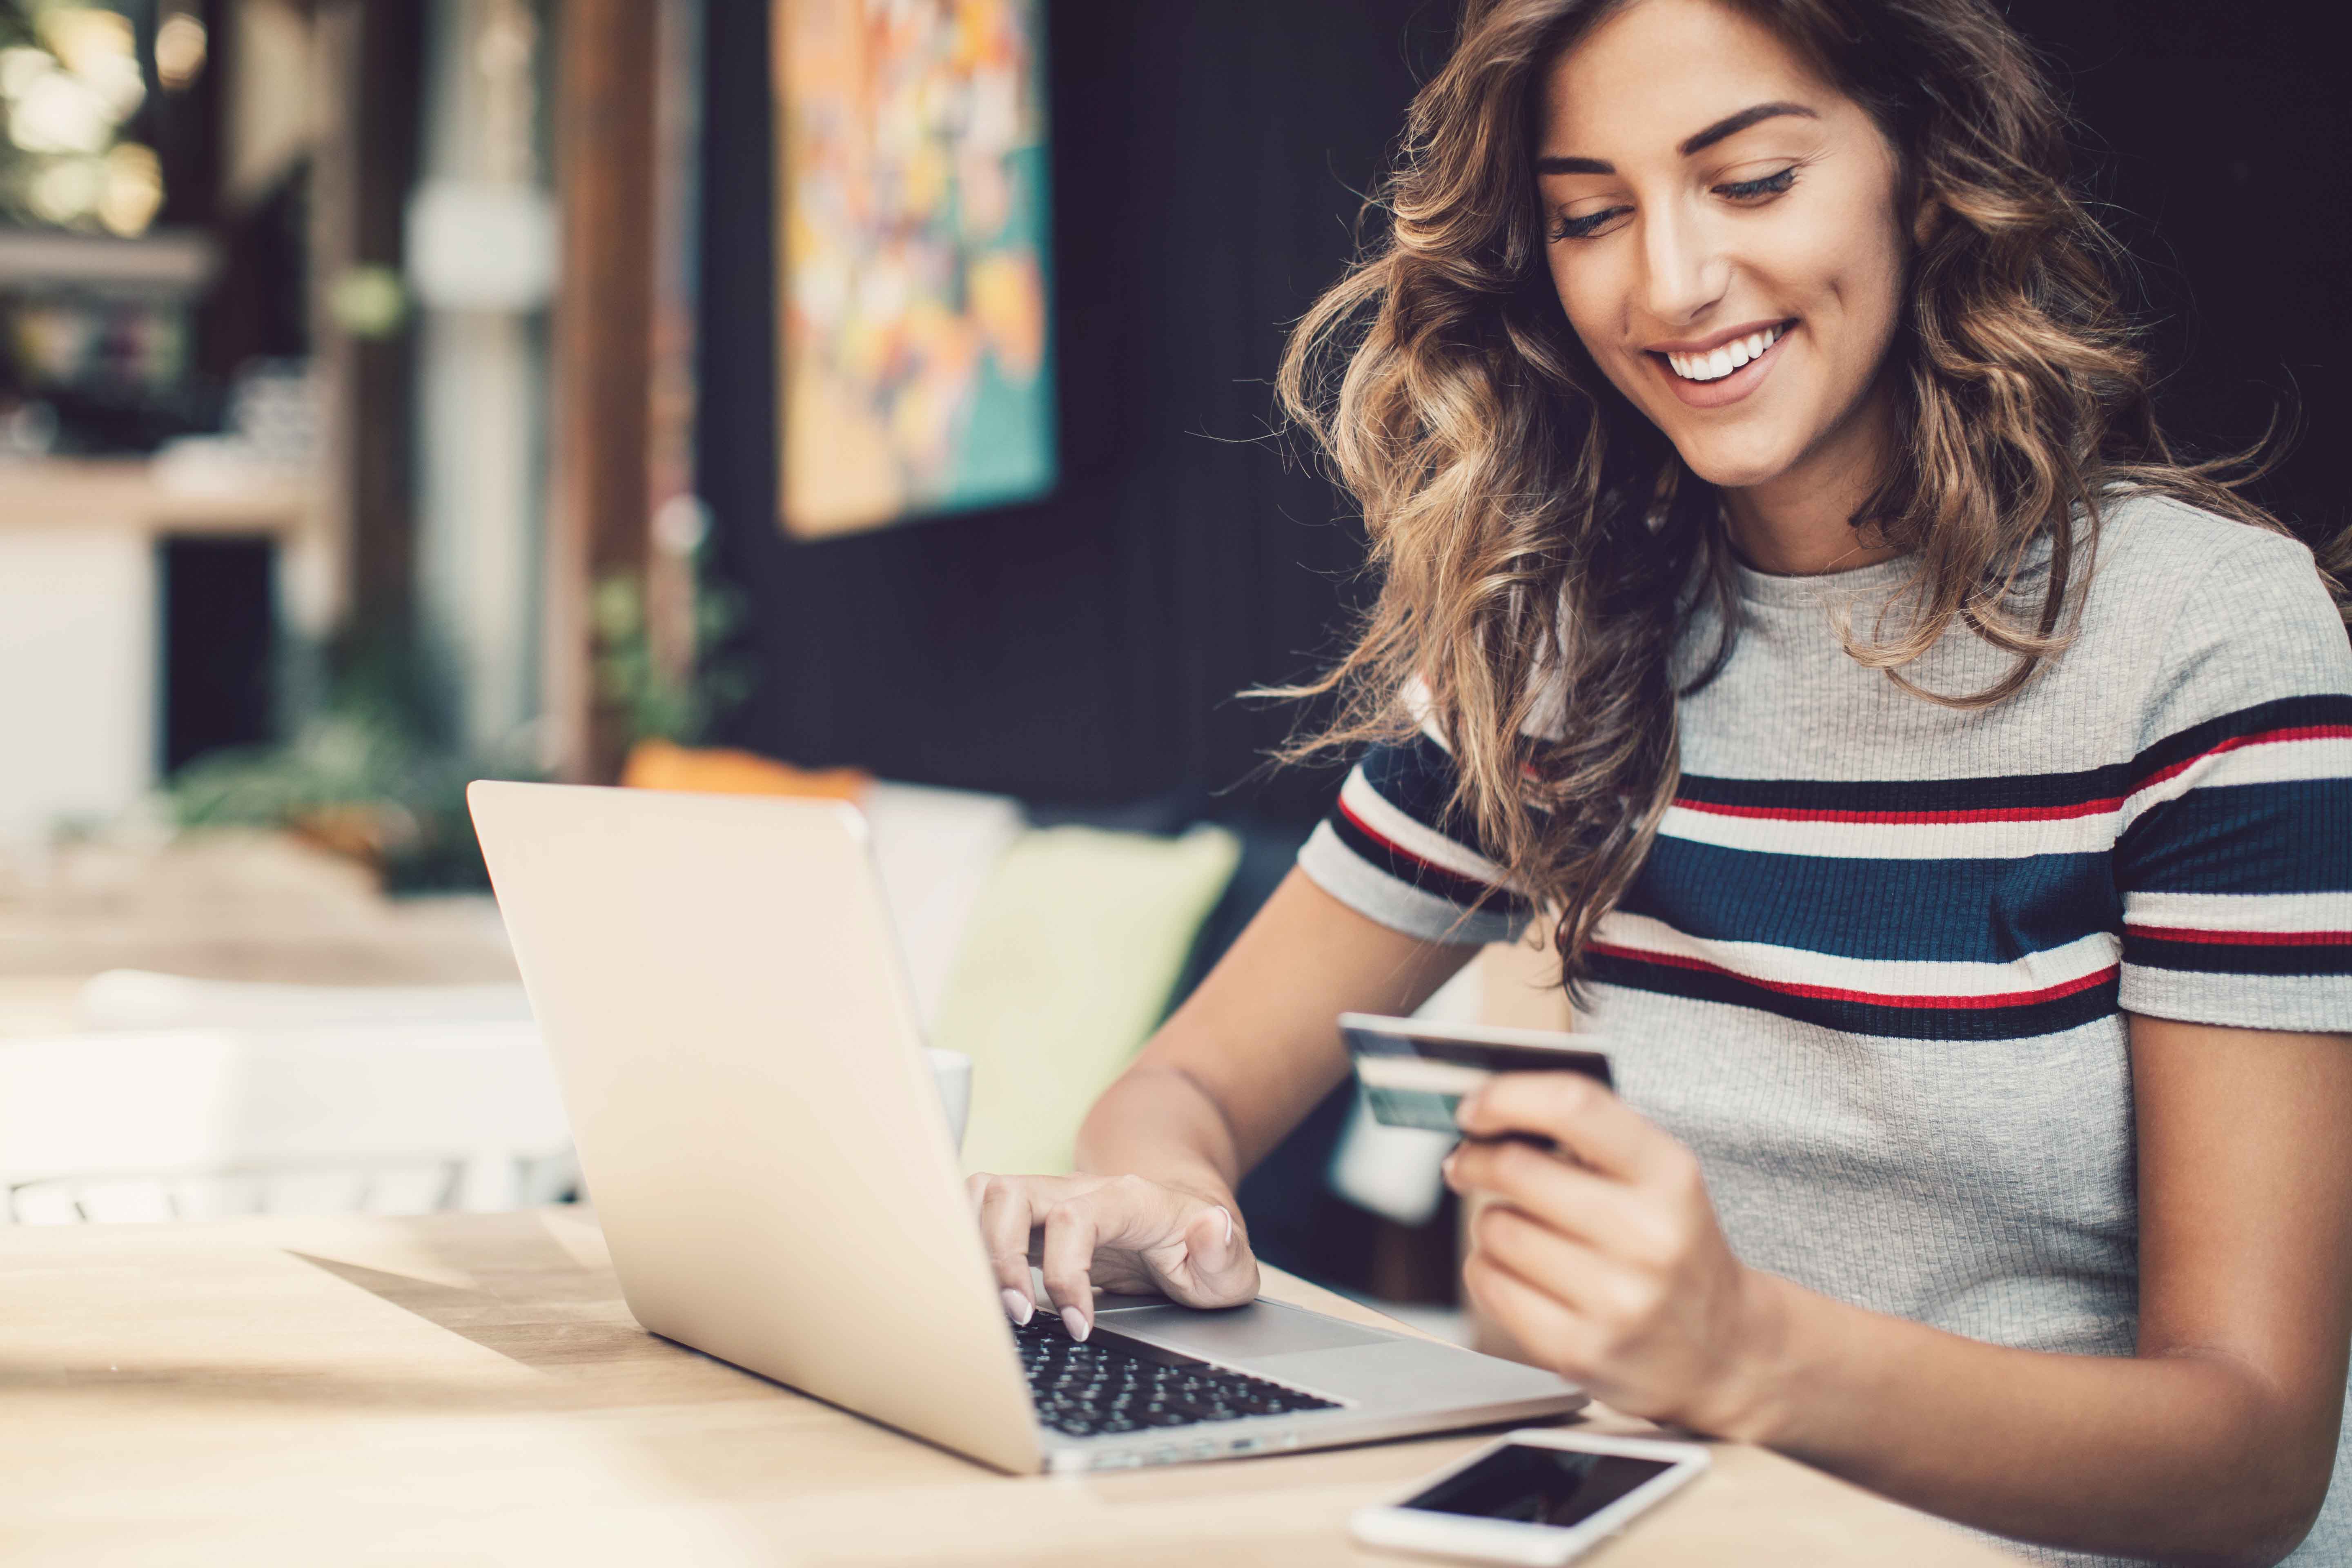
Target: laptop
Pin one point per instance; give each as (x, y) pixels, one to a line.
(718, 981)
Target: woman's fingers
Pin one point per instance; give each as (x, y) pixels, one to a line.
(1207, 1261)
(1072, 1227)
(1584, 1119)
(1123, 1233)
(1575, 1201)
(1004, 1210)
(1587, 1280)
(1529, 1315)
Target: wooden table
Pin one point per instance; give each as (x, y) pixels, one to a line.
(469, 1389)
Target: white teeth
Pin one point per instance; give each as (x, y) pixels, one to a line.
(1721, 361)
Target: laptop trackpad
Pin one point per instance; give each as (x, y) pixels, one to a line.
(1232, 1333)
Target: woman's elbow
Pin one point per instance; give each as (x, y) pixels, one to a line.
(2272, 1511)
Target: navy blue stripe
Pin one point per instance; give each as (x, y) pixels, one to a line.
(2237, 958)
(1951, 911)
(2010, 792)
(2286, 713)
(2085, 1006)
(1417, 776)
(2004, 792)
(2291, 837)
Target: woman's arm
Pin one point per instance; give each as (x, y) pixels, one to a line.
(1256, 1045)
(1247, 1055)
(2214, 1444)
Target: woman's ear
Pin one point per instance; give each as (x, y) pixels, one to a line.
(1928, 215)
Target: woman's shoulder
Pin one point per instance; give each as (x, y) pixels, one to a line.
(2161, 561)
(2156, 538)
(2223, 613)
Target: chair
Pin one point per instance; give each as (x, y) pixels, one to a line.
(403, 1117)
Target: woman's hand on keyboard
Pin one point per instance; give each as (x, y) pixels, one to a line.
(1118, 1233)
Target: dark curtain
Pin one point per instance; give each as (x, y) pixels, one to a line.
(1206, 161)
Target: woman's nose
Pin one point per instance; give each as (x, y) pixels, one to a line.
(1687, 270)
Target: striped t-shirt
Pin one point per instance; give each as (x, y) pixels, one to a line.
(1875, 970)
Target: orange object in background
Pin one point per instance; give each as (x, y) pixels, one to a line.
(660, 764)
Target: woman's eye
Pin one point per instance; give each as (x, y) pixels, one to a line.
(1757, 189)
(1587, 226)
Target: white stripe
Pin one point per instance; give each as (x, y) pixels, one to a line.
(1883, 977)
(1419, 707)
(2273, 761)
(1413, 836)
(1543, 724)
(2092, 835)
(2240, 911)
(1371, 893)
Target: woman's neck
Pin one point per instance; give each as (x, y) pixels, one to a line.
(1799, 522)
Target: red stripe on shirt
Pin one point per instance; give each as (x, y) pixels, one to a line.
(1399, 850)
(2242, 938)
(2017, 813)
(1841, 994)
(1986, 814)
(2236, 743)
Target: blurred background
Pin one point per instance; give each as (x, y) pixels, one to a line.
(854, 397)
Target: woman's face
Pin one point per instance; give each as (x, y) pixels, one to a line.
(1723, 234)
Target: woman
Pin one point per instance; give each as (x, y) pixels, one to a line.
(1940, 799)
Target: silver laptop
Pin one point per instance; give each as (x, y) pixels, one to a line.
(760, 1133)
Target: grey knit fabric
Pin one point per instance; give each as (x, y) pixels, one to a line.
(1896, 1038)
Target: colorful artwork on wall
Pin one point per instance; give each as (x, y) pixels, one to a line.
(914, 306)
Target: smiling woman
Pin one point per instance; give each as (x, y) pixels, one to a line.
(1821, 259)
(1937, 791)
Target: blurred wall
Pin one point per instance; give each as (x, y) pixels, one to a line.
(1205, 160)
(2215, 134)
(1086, 647)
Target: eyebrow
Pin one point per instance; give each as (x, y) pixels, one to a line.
(1729, 125)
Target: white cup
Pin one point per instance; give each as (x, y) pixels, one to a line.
(951, 1071)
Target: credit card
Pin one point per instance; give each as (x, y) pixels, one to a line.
(1417, 1073)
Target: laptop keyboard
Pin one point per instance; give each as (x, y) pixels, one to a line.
(1106, 1386)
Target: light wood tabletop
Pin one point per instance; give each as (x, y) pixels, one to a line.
(470, 1389)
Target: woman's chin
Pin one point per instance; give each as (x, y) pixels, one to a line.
(1734, 465)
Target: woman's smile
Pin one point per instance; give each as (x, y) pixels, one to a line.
(1694, 174)
(1722, 367)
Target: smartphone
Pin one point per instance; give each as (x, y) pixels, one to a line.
(1416, 1074)
(1533, 1497)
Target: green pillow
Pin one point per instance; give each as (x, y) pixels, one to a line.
(1074, 947)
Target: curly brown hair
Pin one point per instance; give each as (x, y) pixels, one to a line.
(1537, 541)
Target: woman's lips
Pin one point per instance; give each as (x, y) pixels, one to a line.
(1726, 389)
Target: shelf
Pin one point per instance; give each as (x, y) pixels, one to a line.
(169, 261)
(126, 493)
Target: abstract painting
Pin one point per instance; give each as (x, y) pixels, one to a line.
(914, 304)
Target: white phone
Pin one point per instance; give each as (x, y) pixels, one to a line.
(1535, 1497)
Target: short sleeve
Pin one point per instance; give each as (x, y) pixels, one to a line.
(2234, 858)
(1390, 850)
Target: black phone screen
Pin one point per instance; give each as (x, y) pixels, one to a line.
(1528, 1485)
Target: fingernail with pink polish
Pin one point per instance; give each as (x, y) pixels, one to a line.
(1226, 1214)
(1076, 1322)
(1017, 1307)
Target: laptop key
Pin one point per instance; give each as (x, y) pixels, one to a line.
(1106, 1386)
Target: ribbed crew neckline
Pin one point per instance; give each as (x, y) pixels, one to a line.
(1811, 591)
